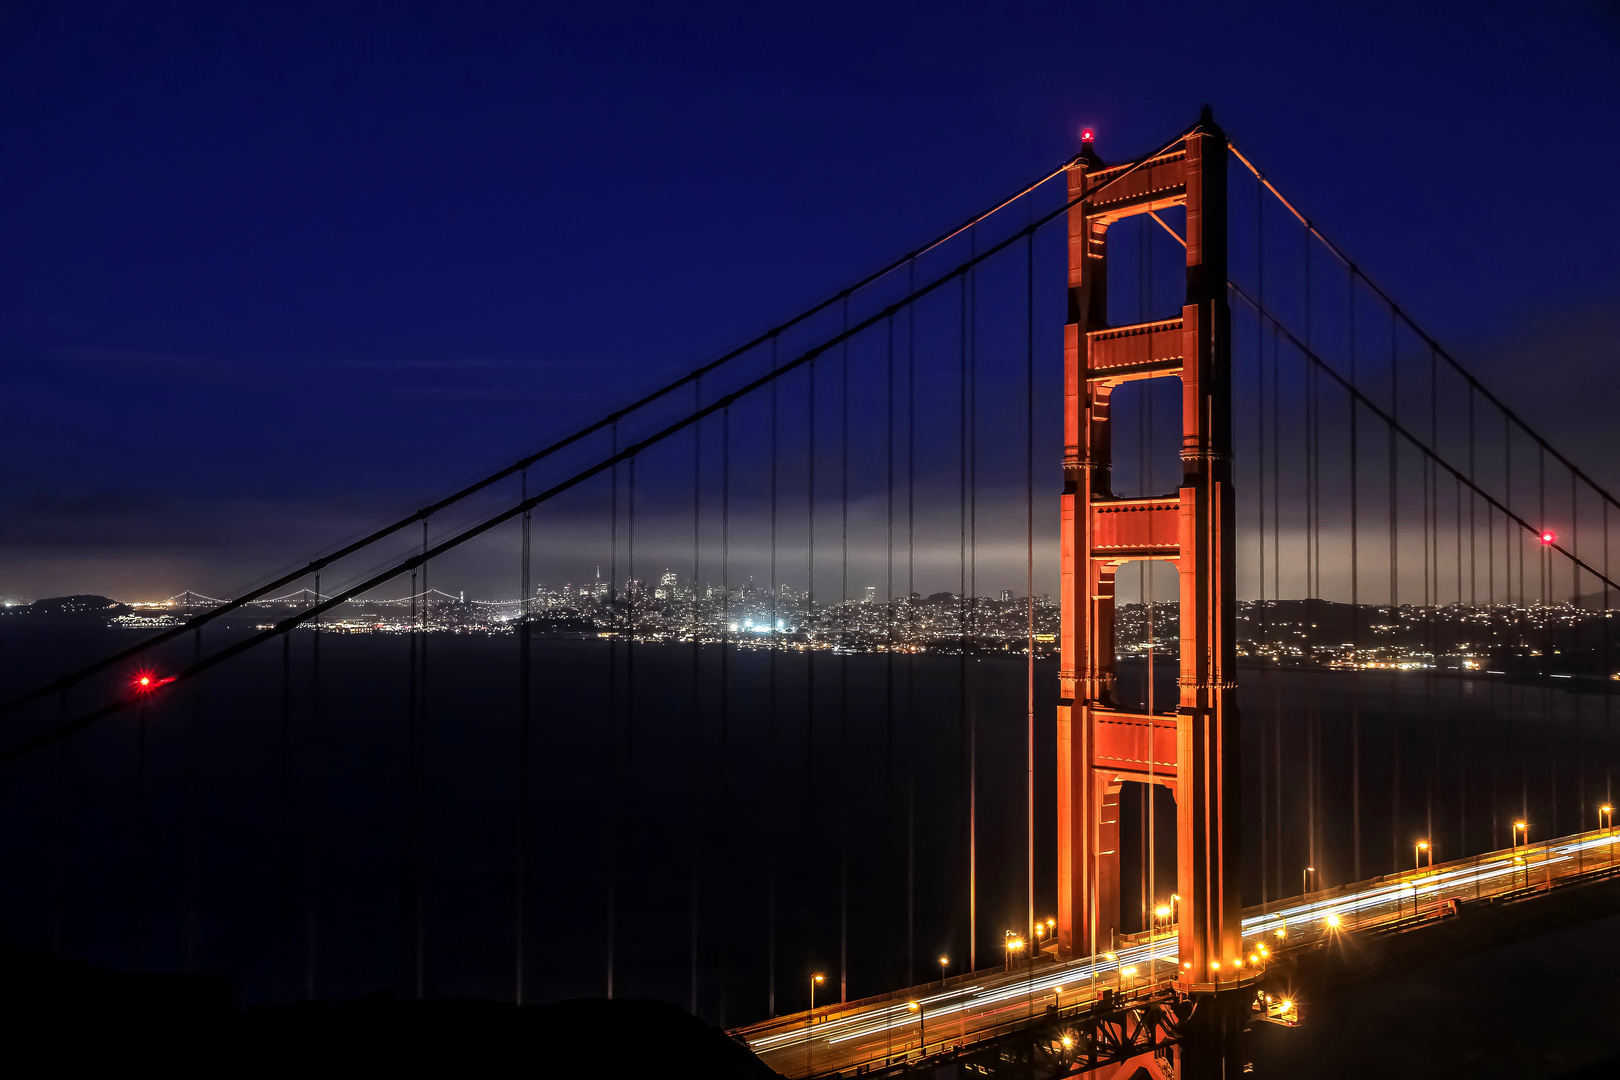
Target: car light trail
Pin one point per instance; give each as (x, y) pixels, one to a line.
(1377, 903)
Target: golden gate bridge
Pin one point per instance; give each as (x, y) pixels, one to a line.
(962, 416)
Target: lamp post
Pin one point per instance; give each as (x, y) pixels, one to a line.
(1607, 811)
(1419, 849)
(1014, 943)
(943, 961)
(1523, 827)
(922, 1037)
(810, 1018)
(1304, 879)
(1131, 971)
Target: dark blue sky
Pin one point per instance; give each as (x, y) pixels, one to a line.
(271, 274)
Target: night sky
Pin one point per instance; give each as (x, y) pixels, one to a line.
(272, 274)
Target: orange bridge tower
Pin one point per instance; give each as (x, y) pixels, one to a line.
(1099, 744)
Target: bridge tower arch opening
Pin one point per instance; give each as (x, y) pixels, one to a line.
(1100, 743)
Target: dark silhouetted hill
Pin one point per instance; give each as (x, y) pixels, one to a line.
(85, 605)
(72, 1016)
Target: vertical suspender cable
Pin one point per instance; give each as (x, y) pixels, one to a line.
(725, 686)
(1431, 598)
(972, 599)
(61, 799)
(695, 722)
(1544, 562)
(312, 839)
(520, 834)
(770, 737)
(1394, 603)
(844, 754)
(1608, 673)
(1029, 579)
(141, 871)
(1276, 595)
(1355, 600)
(1507, 580)
(616, 780)
(911, 628)
(1518, 612)
(1308, 617)
(1313, 559)
(1495, 631)
(964, 718)
(888, 617)
(196, 775)
(424, 793)
(809, 610)
(1473, 501)
(1462, 787)
(1576, 642)
(1260, 549)
(412, 755)
(632, 593)
(284, 849)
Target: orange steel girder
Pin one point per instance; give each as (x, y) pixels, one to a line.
(1100, 745)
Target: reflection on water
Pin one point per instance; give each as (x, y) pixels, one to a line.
(738, 817)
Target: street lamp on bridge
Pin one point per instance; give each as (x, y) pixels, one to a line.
(1013, 944)
(1521, 838)
(943, 961)
(1161, 915)
(1419, 849)
(922, 1038)
(810, 1018)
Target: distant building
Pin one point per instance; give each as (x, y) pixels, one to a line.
(869, 595)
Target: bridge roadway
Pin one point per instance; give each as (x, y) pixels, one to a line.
(969, 1008)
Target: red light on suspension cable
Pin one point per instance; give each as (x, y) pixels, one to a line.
(1548, 536)
(146, 682)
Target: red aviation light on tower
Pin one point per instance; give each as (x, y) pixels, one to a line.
(1548, 537)
(1087, 136)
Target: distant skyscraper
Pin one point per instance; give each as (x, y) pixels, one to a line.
(1006, 594)
(869, 595)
